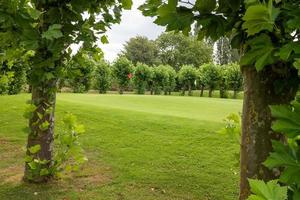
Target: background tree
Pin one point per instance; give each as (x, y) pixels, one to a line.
(224, 54)
(211, 74)
(122, 71)
(177, 49)
(48, 28)
(80, 72)
(103, 76)
(234, 78)
(160, 79)
(265, 31)
(141, 49)
(141, 77)
(187, 76)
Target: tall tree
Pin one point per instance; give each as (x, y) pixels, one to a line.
(49, 28)
(177, 49)
(267, 34)
(141, 49)
(224, 53)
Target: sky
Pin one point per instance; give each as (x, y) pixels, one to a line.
(133, 23)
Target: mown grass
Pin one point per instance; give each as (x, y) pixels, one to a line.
(139, 147)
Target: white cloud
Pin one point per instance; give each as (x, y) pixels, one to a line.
(133, 23)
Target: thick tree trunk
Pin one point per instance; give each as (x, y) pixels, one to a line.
(41, 126)
(260, 92)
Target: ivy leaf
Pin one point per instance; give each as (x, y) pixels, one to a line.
(34, 13)
(34, 149)
(260, 17)
(44, 172)
(267, 191)
(53, 32)
(261, 52)
(127, 4)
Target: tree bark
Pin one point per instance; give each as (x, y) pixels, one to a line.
(235, 94)
(190, 90)
(202, 91)
(43, 98)
(210, 92)
(260, 92)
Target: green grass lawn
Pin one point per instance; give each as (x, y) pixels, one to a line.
(139, 147)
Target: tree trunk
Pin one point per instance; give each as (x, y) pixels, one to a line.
(210, 92)
(235, 94)
(256, 119)
(202, 91)
(121, 90)
(190, 90)
(44, 100)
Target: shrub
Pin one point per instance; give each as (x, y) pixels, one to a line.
(103, 77)
(200, 82)
(122, 72)
(160, 79)
(141, 77)
(223, 83)
(187, 76)
(234, 78)
(211, 74)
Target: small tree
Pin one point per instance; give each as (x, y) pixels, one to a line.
(187, 76)
(234, 78)
(102, 76)
(211, 76)
(141, 76)
(171, 83)
(122, 71)
(200, 81)
(80, 72)
(223, 84)
(160, 79)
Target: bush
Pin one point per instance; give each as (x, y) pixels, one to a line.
(122, 72)
(187, 76)
(142, 75)
(103, 77)
(211, 74)
(12, 78)
(200, 82)
(234, 78)
(160, 79)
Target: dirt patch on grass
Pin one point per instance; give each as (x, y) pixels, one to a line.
(11, 168)
(92, 174)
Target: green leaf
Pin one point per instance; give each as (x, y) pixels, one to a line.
(44, 172)
(34, 13)
(34, 149)
(53, 32)
(205, 6)
(260, 17)
(267, 191)
(104, 39)
(261, 52)
(44, 126)
(127, 4)
(32, 165)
